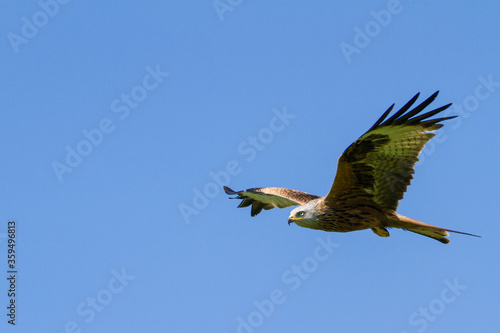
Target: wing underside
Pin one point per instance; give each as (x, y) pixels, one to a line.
(270, 197)
(380, 164)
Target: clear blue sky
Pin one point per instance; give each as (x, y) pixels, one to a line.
(120, 119)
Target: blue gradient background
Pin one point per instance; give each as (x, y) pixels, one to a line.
(119, 209)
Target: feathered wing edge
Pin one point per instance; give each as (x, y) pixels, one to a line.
(358, 166)
(269, 197)
(404, 117)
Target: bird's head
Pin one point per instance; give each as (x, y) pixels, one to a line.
(305, 215)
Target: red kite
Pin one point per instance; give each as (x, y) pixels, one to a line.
(372, 176)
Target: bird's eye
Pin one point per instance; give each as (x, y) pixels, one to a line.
(301, 213)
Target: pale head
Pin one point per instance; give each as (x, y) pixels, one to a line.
(305, 215)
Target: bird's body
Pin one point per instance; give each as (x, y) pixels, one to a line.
(372, 176)
(341, 217)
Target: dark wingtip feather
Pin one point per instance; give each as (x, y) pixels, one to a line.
(244, 203)
(403, 116)
(228, 190)
(416, 110)
(429, 114)
(256, 209)
(381, 119)
(401, 111)
(435, 122)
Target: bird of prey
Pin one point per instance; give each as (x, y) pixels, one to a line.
(372, 176)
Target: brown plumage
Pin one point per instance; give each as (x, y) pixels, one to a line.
(372, 176)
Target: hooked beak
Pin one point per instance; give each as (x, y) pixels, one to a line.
(291, 219)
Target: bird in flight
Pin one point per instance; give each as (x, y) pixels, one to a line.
(372, 176)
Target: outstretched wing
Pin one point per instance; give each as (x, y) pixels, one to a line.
(270, 197)
(379, 165)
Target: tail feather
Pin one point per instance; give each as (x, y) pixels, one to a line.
(425, 229)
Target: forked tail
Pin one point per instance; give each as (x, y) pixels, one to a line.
(425, 229)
